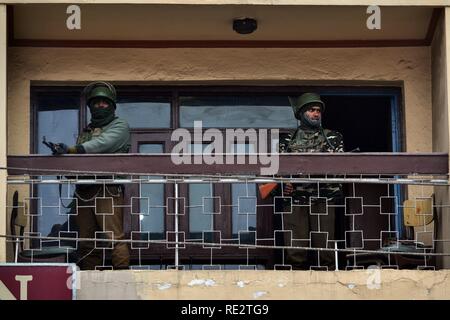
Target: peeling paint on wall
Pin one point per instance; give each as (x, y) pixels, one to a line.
(164, 286)
(202, 282)
(259, 294)
(396, 284)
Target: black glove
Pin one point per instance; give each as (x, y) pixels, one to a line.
(60, 148)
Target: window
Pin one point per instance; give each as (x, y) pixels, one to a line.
(56, 119)
(227, 211)
(152, 199)
(236, 112)
(145, 112)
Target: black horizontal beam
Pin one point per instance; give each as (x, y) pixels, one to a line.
(306, 163)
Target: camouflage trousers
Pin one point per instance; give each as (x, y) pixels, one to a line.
(306, 233)
(99, 210)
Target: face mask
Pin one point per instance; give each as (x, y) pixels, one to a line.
(101, 117)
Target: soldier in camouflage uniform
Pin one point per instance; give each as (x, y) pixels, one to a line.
(310, 136)
(106, 133)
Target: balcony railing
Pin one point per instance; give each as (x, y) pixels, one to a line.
(386, 215)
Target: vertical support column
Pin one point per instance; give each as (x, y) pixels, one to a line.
(440, 71)
(3, 133)
(444, 227)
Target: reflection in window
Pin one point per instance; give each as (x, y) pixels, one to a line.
(198, 220)
(244, 207)
(244, 198)
(57, 120)
(154, 113)
(237, 112)
(154, 221)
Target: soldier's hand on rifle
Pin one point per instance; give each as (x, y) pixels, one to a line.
(288, 189)
(60, 148)
(56, 148)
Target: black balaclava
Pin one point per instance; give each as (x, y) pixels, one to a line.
(101, 117)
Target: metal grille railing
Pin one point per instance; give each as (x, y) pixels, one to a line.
(391, 221)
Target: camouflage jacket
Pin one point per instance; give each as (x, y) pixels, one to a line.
(312, 141)
(322, 140)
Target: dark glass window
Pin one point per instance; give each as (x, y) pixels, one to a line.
(145, 112)
(154, 112)
(57, 118)
(152, 199)
(237, 112)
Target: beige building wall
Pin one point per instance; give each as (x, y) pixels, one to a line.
(440, 86)
(440, 72)
(3, 133)
(250, 285)
(410, 66)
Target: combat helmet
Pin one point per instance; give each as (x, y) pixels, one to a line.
(298, 103)
(100, 89)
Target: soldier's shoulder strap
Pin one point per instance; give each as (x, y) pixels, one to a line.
(334, 138)
(329, 132)
(333, 134)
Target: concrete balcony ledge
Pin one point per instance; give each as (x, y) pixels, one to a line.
(260, 285)
(304, 163)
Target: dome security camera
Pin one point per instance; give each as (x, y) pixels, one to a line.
(244, 25)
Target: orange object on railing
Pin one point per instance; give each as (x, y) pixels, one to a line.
(266, 189)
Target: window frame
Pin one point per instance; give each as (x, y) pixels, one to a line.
(265, 220)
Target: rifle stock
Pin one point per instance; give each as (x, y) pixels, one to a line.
(266, 189)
